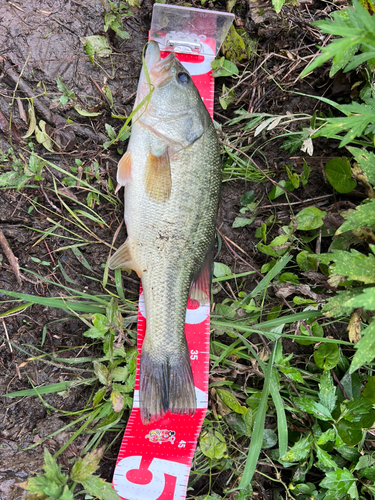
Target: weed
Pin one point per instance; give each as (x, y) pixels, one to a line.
(22, 171)
(54, 484)
(113, 18)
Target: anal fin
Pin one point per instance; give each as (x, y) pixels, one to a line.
(201, 283)
(122, 259)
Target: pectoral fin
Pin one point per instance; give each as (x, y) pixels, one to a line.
(124, 169)
(122, 259)
(158, 181)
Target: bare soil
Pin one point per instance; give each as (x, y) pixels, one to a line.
(41, 40)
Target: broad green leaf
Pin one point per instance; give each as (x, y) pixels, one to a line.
(363, 215)
(233, 46)
(100, 321)
(369, 390)
(327, 356)
(243, 221)
(302, 489)
(299, 451)
(354, 265)
(237, 423)
(369, 473)
(247, 198)
(109, 421)
(338, 305)
(364, 461)
(365, 300)
(313, 408)
(324, 459)
(269, 439)
(289, 278)
(85, 467)
(278, 246)
(221, 270)
(365, 348)
(349, 432)
(355, 408)
(100, 489)
(94, 333)
(277, 191)
(310, 218)
(292, 373)
(366, 162)
(222, 67)
(339, 480)
(120, 373)
(339, 175)
(327, 391)
(231, 401)
(327, 436)
(306, 261)
(316, 330)
(102, 372)
(352, 386)
(278, 5)
(212, 444)
(293, 177)
(12, 179)
(349, 453)
(99, 396)
(52, 470)
(96, 45)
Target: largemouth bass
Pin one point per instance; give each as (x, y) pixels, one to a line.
(172, 177)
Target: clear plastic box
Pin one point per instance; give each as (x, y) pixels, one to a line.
(189, 30)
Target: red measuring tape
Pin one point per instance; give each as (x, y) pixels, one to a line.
(154, 460)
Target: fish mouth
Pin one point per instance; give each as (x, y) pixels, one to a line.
(160, 70)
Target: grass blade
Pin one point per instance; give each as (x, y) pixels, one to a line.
(282, 428)
(257, 436)
(118, 282)
(17, 309)
(49, 389)
(59, 303)
(270, 275)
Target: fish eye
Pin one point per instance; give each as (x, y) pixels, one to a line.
(183, 78)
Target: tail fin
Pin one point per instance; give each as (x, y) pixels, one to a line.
(164, 386)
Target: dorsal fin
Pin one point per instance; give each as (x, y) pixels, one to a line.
(123, 259)
(158, 181)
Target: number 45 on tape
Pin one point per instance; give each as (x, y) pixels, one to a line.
(154, 460)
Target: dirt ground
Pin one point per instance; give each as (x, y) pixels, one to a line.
(41, 40)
